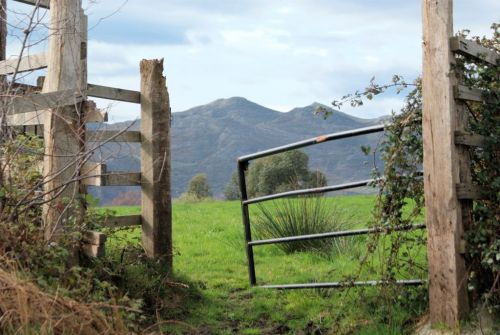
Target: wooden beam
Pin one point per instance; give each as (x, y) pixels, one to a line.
(470, 48)
(113, 179)
(122, 221)
(36, 118)
(470, 192)
(155, 163)
(94, 251)
(27, 63)
(472, 140)
(470, 94)
(41, 3)
(113, 136)
(62, 140)
(37, 102)
(112, 93)
(94, 237)
(447, 271)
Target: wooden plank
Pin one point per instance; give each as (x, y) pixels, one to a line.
(37, 117)
(470, 94)
(41, 3)
(122, 221)
(113, 179)
(466, 191)
(470, 48)
(62, 140)
(473, 140)
(112, 93)
(37, 102)
(27, 119)
(94, 251)
(113, 136)
(447, 271)
(93, 169)
(155, 163)
(93, 237)
(91, 173)
(27, 63)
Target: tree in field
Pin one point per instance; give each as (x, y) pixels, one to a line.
(277, 173)
(232, 190)
(198, 187)
(316, 179)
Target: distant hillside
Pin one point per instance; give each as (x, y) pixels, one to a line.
(209, 138)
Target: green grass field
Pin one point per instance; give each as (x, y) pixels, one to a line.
(210, 257)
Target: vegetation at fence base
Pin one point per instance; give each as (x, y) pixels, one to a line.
(402, 152)
(209, 250)
(483, 237)
(303, 216)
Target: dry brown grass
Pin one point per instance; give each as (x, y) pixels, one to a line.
(25, 309)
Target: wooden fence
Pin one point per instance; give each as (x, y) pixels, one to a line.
(447, 172)
(59, 105)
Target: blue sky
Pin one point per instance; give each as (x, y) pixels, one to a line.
(278, 53)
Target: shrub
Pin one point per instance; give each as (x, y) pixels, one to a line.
(198, 187)
(303, 216)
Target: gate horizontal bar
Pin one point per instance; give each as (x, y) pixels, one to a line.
(317, 190)
(315, 140)
(336, 234)
(409, 282)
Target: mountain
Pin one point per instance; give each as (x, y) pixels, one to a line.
(209, 138)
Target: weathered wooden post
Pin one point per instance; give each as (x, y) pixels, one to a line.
(447, 272)
(155, 162)
(62, 126)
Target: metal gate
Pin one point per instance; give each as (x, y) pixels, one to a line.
(243, 163)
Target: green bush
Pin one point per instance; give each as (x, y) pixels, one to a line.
(303, 216)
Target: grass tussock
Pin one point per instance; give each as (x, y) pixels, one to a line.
(303, 216)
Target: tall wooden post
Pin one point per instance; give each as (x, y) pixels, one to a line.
(62, 127)
(447, 272)
(155, 162)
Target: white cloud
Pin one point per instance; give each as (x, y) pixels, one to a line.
(277, 53)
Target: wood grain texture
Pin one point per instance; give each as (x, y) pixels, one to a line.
(63, 126)
(111, 93)
(25, 64)
(113, 136)
(122, 221)
(473, 49)
(41, 3)
(447, 273)
(155, 162)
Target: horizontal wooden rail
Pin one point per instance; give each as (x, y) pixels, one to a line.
(472, 140)
(112, 93)
(113, 136)
(471, 94)
(122, 221)
(41, 3)
(470, 192)
(113, 179)
(36, 118)
(41, 101)
(27, 63)
(93, 169)
(470, 48)
(93, 237)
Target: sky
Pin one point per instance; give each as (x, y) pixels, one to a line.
(278, 53)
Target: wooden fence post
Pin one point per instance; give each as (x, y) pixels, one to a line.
(447, 272)
(62, 126)
(155, 162)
